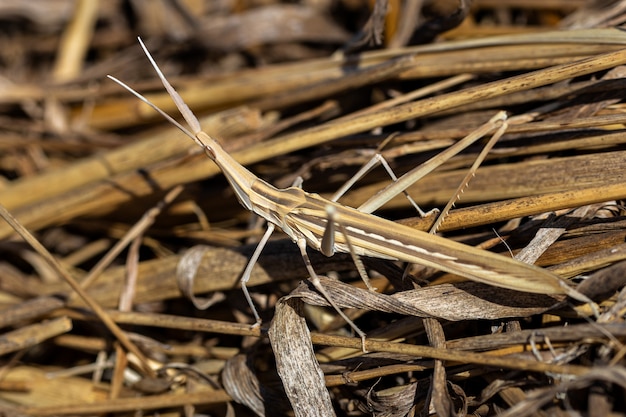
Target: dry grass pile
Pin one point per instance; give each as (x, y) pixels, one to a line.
(122, 244)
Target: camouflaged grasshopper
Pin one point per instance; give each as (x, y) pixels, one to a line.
(329, 227)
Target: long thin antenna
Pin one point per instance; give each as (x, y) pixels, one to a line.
(192, 120)
(155, 107)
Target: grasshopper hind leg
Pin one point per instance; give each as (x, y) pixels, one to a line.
(328, 244)
(378, 159)
(319, 287)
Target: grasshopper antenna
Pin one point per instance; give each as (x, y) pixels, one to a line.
(154, 106)
(191, 120)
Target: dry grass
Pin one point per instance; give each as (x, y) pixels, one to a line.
(106, 198)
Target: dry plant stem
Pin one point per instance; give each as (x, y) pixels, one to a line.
(34, 334)
(323, 89)
(413, 95)
(234, 88)
(358, 376)
(102, 315)
(75, 41)
(549, 233)
(130, 285)
(29, 309)
(216, 326)
(347, 125)
(272, 80)
(117, 380)
(592, 261)
(567, 334)
(592, 36)
(89, 251)
(449, 355)
(438, 392)
(131, 404)
(186, 323)
(146, 221)
(536, 127)
(578, 123)
(150, 149)
(526, 206)
(77, 203)
(16, 386)
(29, 191)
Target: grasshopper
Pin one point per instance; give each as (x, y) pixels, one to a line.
(329, 227)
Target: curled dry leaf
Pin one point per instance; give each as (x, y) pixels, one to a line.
(396, 402)
(186, 271)
(241, 382)
(462, 301)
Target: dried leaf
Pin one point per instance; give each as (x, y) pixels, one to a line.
(261, 391)
(446, 301)
(186, 271)
(296, 364)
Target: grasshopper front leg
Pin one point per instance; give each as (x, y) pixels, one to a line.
(245, 277)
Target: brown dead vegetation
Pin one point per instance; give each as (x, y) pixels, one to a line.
(102, 199)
